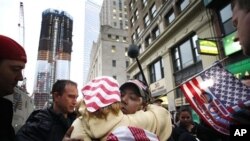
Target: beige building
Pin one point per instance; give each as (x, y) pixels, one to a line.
(166, 32)
(109, 54)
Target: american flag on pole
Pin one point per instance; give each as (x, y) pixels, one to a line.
(216, 95)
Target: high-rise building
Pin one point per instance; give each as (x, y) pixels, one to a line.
(114, 14)
(54, 54)
(92, 26)
(109, 53)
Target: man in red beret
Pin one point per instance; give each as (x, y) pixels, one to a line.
(12, 62)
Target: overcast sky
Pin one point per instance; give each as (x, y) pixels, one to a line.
(9, 15)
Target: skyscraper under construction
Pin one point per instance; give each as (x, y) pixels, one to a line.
(54, 54)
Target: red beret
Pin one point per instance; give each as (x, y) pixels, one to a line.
(11, 50)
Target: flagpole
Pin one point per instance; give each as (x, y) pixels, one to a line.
(217, 62)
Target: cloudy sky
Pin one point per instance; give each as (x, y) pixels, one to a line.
(9, 15)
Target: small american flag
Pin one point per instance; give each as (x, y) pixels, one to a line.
(216, 95)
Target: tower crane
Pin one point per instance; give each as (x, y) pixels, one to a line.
(22, 36)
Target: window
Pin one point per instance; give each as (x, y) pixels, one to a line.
(136, 14)
(226, 16)
(121, 24)
(126, 51)
(132, 21)
(140, 49)
(145, 2)
(109, 35)
(114, 2)
(117, 38)
(114, 63)
(133, 38)
(131, 5)
(124, 39)
(115, 24)
(170, 16)
(153, 11)
(139, 76)
(120, 5)
(156, 71)
(127, 64)
(185, 54)
(146, 20)
(113, 50)
(138, 31)
(177, 59)
(182, 4)
(197, 55)
(155, 32)
(147, 41)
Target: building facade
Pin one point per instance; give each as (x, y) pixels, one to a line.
(114, 14)
(54, 54)
(165, 32)
(109, 54)
(237, 63)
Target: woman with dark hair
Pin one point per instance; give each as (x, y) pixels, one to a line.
(188, 130)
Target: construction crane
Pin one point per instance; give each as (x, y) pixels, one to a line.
(21, 25)
(22, 36)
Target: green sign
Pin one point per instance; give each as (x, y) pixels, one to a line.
(240, 68)
(207, 47)
(230, 46)
(195, 116)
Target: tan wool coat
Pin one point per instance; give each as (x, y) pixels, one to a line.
(156, 119)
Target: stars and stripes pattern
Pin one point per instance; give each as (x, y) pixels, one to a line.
(101, 92)
(131, 134)
(216, 95)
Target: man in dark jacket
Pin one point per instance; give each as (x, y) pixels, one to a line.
(12, 62)
(52, 123)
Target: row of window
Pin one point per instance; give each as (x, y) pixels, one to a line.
(117, 38)
(114, 63)
(168, 19)
(184, 55)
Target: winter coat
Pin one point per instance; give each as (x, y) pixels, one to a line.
(156, 119)
(7, 132)
(180, 133)
(45, 125)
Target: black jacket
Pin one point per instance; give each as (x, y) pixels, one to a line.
(45, 125)
(7, 132)
(199, 131)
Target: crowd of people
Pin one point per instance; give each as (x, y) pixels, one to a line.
(108, 111)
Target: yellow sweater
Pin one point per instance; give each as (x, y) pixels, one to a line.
(156, 119)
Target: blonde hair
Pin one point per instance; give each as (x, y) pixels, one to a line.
(102, 113)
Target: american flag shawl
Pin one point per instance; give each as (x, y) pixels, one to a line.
(129, 133)
(215, 94)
